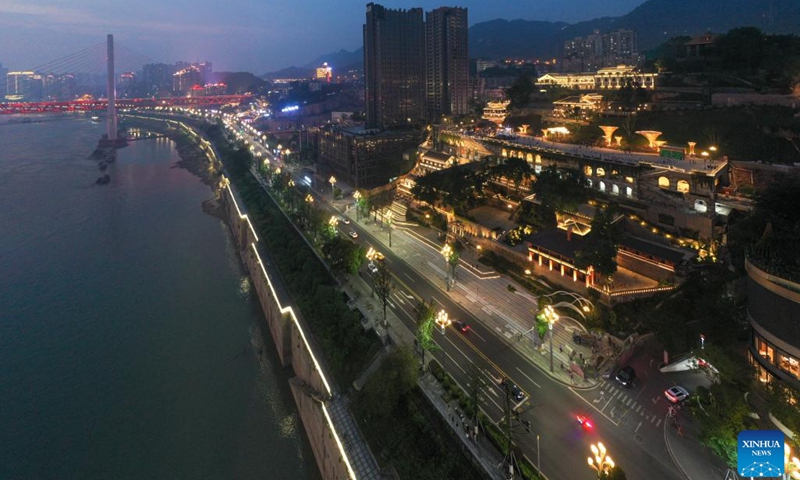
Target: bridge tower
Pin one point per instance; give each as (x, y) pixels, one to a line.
(111, 115)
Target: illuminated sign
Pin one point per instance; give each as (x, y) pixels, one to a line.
(290, 108)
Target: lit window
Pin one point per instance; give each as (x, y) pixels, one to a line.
(663, 182)
(683, 186)
(602, 186)
(601, 172)
(629, 179)
(628, 192)
(614, 189)
(587, 170)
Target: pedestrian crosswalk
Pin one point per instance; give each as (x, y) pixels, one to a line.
(622, 405)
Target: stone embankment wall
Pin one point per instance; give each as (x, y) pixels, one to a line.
(310, 387)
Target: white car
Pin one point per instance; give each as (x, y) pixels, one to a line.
(345, 220)
(353, 234)
(676, 394)
(372, 268)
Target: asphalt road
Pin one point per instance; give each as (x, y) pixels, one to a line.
(629, 422)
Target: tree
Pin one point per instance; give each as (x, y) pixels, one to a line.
(615, 473)
(425, 327)
(383, 285)
(558, 190)
(383, 393)
(520, 92)
(604, 237)
(344, 256)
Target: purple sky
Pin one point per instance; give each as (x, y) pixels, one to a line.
(252, 35)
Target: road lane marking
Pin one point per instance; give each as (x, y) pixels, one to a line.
(638, 427)
(408, 277)
(616, 423)
(659, 423)
(529, 378)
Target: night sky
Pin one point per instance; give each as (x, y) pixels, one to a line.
(252, 35)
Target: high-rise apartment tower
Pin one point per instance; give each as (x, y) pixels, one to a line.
(447, 63)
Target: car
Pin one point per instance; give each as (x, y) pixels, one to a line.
(585, 422)
(344, 220)
(461, 326)
(676, 394)
(516, 392)
(626, 376)
(372, 267)
(353, 234)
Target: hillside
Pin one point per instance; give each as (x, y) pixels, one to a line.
(654, 21)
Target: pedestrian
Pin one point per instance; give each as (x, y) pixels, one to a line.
(561, 348)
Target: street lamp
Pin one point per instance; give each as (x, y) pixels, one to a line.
(551, 317)
(442, 320)
(601, 463)
(447, 251)
(389, 224)
(333, 222)
(791, 463)
(332, 181)
(356, 198)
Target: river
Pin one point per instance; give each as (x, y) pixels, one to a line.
(130, 343)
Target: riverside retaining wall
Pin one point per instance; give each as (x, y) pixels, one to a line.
(310, 387)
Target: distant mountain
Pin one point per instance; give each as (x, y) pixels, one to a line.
(655, 21)
(340, 59)
(238, 82)
(290, 72)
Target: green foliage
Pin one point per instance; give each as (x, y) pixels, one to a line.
(459, 186)
(615, 473)
(520, 92)
(344, 256)
(337, 330)
(426, 313)
(723, 415)
(560, 189)
(383, 393)
(603, 238)
(384, 284)
(770, 235)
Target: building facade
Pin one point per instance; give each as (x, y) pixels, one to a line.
(773, 310)
(609, 78)
(447, 62)
(394, 66)
(599, 50)
(365, 158)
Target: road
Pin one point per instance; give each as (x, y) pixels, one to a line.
(629, 422)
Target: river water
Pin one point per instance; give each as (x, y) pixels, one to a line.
(130, 344)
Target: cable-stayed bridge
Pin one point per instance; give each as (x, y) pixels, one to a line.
(85, 81)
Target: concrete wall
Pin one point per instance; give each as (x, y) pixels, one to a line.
(310, 387)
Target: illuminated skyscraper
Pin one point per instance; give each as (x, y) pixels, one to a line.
(447, 62)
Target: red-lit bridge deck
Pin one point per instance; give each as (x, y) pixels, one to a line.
(90, 105)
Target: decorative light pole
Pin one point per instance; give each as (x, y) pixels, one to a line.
(442, 320)
(447, 251)
(389, 215)
(551, 317)
(356, 198)
(602, 462)
(332, 181)
(791, 463)
(333, 223)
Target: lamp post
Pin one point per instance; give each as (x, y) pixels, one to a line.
(389, 215)
(442, 320)
(447, 251)
(333, 223)
(791, 463)
(602, 462)
(356, 197)
(332, 181)
(552, 317)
